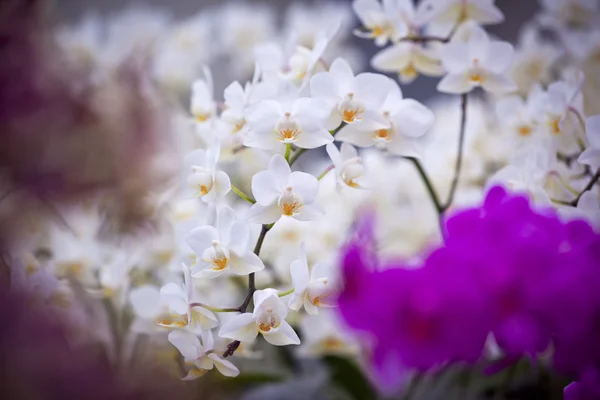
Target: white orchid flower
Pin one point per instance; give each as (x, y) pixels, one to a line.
(397, 126)
(200, 357)
(349, 97)
(347, 164)
(479, 62)
(268, 319)
(203, 106)
(383, 20)
(444, 15)
(311, 289)
(591, 155)
(204, 180)
(274, 124)
(280, 192)
(223, 248)
(179, 299)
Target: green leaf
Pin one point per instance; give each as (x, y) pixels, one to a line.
(348, 376)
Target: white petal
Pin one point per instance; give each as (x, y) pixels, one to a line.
(225, 218)
(323, 86)
(262, 141)
(392, 59)
(589, 202)
(310, 111)
(208, 273)
(201, 238)
(264, 214)
(280, 168)
(260, 296)
(300, 276)
(263, 116)
(172, 295)
(334, 154)
(455, 57)
(498, 84)
(283, 336)
(296, 301)
(241, 327)
(206, 319)
(590, 157)
(356, 135)
(320, 270)
(455, 83)
(226, 368)
(186, 342)
(309, 212)
(246, 264)
(348, 151)
(310, 308)
(372, 89)
(305, 185)
(314, 139)
(592, 128)
(413, 119)
(239, 237)
(222, 184)
(193, 374)
(342, 74)
(406, 147)
(264, 188)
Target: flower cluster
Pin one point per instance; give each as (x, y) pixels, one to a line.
(279, 139)
(507, 273)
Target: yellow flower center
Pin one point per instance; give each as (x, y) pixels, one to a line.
(202, 117)
(409, 72)
(524, 130)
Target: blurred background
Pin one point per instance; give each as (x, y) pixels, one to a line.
(69, 11)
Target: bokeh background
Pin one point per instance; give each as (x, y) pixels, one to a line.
(70, 11)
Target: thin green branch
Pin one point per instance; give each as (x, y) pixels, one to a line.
(283, 294)
(325, 172)
(242, 195)
(215, 309)
(589, 186)
(233, 346)
(288, 151)
(459, 159)
(430, 189)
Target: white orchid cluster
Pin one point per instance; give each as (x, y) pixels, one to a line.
(249, 236)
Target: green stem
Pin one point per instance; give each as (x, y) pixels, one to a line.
(322, 175)
(589, 186)
(296, 155)
(233, 346)
(215, 309)
(459, 159)
(430, 189)
(288, 151)
(242, 195)
(283, 294)
(561, 202)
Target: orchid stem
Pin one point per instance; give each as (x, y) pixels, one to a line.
(242, 195)
(589, 186)
(215, 309)
(283, 294)
(425, 178)
(322, 175)
(459, 158)
(296, 155)
(233, 346)
(288, 151)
